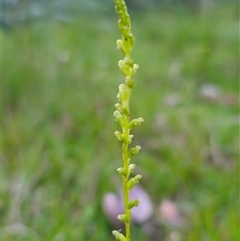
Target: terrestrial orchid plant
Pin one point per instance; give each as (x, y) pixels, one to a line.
(122, 116)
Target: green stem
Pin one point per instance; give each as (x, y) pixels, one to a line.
(125, 179)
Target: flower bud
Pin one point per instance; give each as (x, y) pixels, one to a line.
(134, 69)
(131, 39)
(123, 218)
(119, 107)
(121, 46)
(134, 151)
(133, 203)
(120, 24)
(130, 139)
(133, 181)
(131, 167)
(121, 63)
(123, 67)
(118, 117)
(119, 43)
(122, 92)
(119, 236)
(121, 171)
(119, 135)
(135, 122)
(129, 82)
(122, 87)
(128, 61)
(135, 66)
(116, 113)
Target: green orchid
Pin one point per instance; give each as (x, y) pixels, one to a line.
(122, 116)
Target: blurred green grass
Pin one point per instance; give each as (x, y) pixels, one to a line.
(59, 153)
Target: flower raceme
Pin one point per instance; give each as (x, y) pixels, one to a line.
(122, 116)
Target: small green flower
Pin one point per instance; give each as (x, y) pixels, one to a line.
(119, 236)
(133, 181)
(135, 122)
(122, 171)
(133, 203)
(134, 151)
(123, 218)
(130, 168)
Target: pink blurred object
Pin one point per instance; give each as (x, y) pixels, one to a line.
(113, 206)
(169, 213)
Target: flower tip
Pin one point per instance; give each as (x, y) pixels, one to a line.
(119, 43)
(135, 66)
(119, 236)
(121, 63)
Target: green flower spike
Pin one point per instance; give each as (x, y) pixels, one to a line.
(122, 116)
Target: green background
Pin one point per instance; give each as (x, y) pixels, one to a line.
(59, 154)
